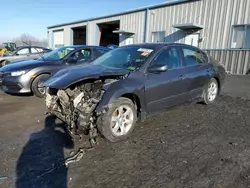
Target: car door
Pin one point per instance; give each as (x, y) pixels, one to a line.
(197, 71)
(166, 89)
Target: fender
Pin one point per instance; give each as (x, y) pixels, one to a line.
(47, 69)
(118, 89)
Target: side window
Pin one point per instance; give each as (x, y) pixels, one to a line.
(100, 51)
(83, 54)
(36, 50)
(46, 50)
(169, 57)
(23, 51)
(194, 57)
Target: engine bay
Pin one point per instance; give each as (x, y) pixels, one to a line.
(76, 106)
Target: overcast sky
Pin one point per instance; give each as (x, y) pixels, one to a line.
(34, 16)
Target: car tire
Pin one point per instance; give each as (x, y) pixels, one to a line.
(36, 86)
(210, 92)
(5, 62)
(248, 73)
(119, 121)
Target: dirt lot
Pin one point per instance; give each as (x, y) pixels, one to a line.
(190, 146)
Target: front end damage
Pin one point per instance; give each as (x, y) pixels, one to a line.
(76, 106)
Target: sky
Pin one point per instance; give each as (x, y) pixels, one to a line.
(34, 16)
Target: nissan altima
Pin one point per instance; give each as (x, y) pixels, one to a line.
(130, 83)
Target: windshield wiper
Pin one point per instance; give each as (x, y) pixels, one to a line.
(39, 53)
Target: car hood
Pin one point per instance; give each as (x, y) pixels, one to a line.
(66, 77)
(23, 65)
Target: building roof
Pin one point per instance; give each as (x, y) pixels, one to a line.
(168, 3)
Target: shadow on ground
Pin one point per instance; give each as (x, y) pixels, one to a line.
(40, 163)
(20, 94)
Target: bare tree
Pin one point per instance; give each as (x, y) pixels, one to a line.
(27, 39)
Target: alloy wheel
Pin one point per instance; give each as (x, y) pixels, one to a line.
(122, 120)
(212, 91)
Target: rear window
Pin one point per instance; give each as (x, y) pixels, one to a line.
(194, 56)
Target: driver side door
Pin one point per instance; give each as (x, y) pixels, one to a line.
(166, 89)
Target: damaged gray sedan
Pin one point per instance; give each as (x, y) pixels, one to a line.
(129, 83)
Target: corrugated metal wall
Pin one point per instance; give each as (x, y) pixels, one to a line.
(217, 17)
(134, 22)
(235, 61)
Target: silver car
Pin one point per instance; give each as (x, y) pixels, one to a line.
(23, 53)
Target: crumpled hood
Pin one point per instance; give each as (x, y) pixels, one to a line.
(66, 77)
(23, 65)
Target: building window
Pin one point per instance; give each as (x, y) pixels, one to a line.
(241, 36)
(158, 36)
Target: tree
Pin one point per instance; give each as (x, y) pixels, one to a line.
(27, 39)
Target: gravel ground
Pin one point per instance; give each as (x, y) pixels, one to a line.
(191, 146)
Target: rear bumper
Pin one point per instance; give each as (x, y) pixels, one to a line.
(17, 84)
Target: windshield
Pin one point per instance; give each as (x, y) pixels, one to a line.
(130, 58)
(57, 54)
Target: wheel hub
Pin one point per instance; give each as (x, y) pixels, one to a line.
(212, 91)
(122, 120)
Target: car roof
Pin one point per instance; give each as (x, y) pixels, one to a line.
(157, 45)
(31, 46)
(84, 46)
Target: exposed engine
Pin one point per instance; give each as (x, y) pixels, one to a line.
(76, 106)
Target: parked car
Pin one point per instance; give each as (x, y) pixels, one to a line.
(130, 83)
(28, 76)
(23, 53)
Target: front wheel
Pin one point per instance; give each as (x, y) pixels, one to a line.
(37, 86)
(5, 62)
(119, 121)
(211, 91)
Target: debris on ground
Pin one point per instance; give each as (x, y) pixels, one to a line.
(77, 156)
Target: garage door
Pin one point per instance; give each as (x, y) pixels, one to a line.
(58, 39)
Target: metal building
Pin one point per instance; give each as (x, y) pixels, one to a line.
(217, 25)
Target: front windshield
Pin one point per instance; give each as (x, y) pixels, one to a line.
(58, 54)
(129, 58)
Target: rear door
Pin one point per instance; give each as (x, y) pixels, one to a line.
(197, 71)
(166, 89)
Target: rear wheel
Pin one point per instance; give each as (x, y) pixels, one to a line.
(119, 121)
(211, 91)
(37, 86)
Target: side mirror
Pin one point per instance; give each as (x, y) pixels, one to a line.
(158, 68)
(71, 60)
